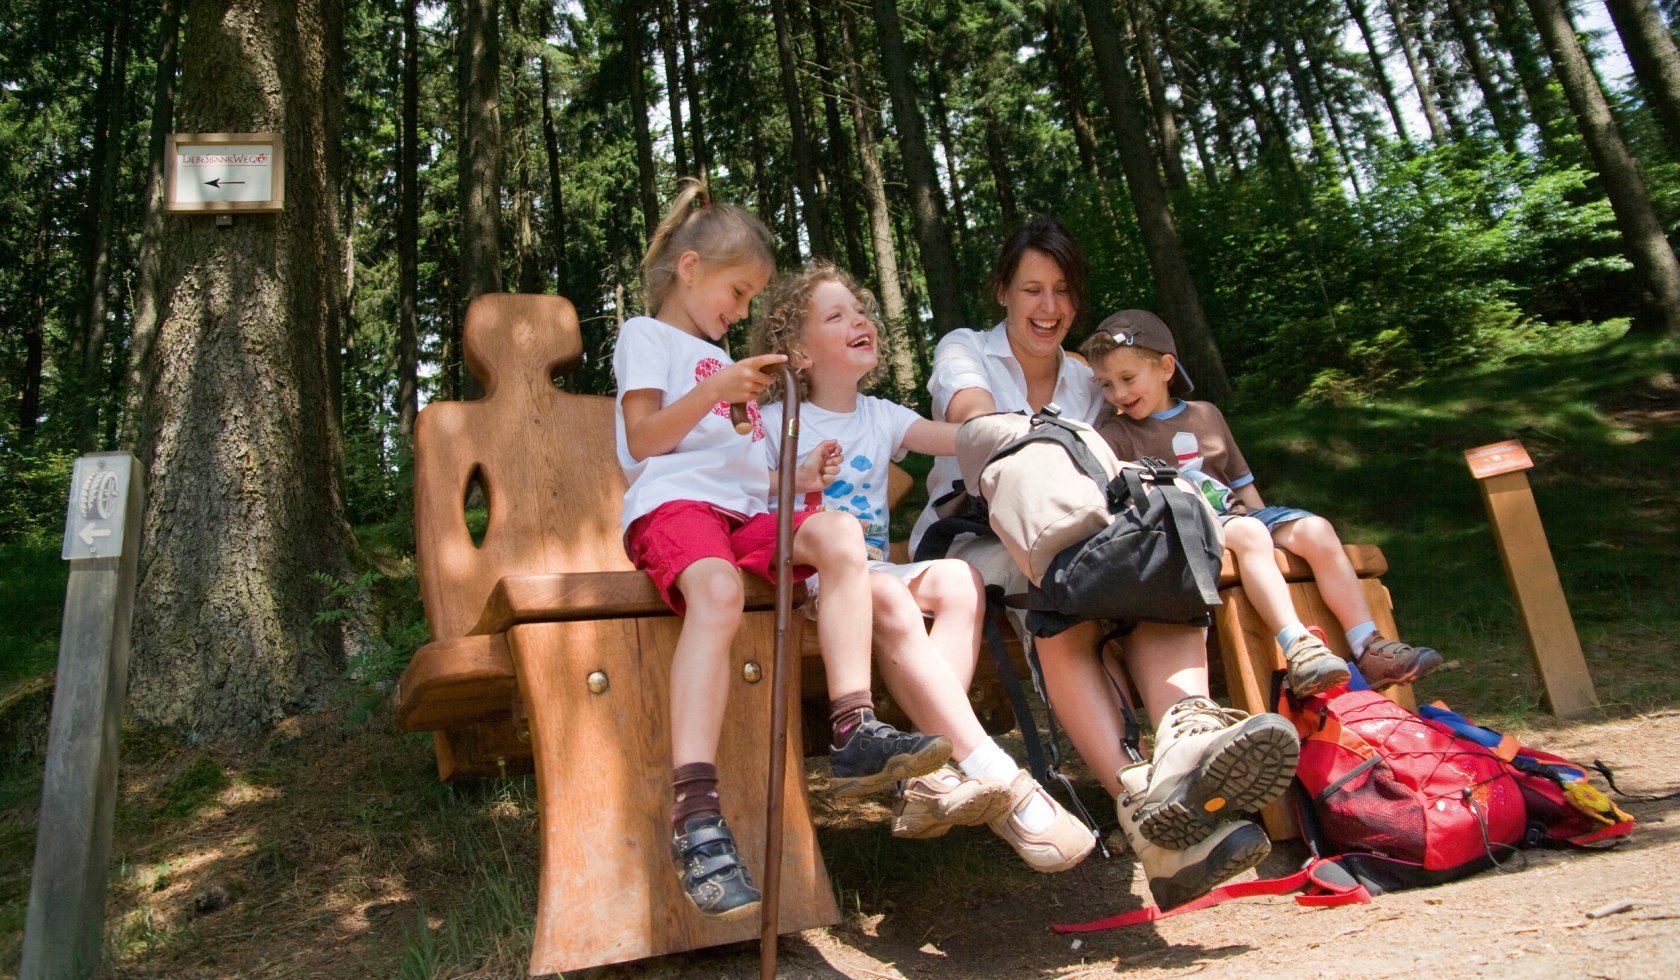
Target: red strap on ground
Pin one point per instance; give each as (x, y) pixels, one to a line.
(1319, 893)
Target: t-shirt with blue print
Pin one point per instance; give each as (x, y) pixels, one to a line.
(870, 437)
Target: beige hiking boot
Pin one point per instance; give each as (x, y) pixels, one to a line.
(931, 805)
(1179, 876)
(1057, 847)
(1211, 762)
(1313, 667)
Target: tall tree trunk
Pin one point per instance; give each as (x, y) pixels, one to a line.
(1304, 95)
(635, 71)
(1440, 72)
(35, 324)
(673, 91)
(1166, 121)
(1175, 291)
(997, 159)
(408, 232)
(113, 102)
(900, 367)
(957, 211)
(1068, 90)
(939, 265)
(556, 237)
(1344, 146)
(839, 146)
(480, 165)
(1656, 63)
(1653, 260)
(148, 301)
(1519, 44)
(1356, 9)
(804, 158)
(1426, 95)
(239, 445)
(702, 159)
(1492, 96)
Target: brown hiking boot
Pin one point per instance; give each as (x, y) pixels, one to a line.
(1385, 661)
(1312, 666)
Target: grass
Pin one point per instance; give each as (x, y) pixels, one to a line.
(337, 819)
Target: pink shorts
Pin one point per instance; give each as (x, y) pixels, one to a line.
(675, 535)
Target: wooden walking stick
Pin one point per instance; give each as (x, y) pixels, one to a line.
(770, 909)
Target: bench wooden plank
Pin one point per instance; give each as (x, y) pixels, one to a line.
(1367, 559)
(557, 597)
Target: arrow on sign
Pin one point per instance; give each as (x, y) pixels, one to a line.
(218, 182)
(89, 532)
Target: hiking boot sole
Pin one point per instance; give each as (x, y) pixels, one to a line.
(1242, 850)
(1320, 681)
(1422, 668)
(736, 914)
(899, 767)
(977, 808)
(1250, 771)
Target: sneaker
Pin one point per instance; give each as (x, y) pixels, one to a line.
(1211, 763)
(1179, 876)
(1313, 667)
(711, 870)
(878, 755)
(1057, 847)
(1387, 661)
(931, 805)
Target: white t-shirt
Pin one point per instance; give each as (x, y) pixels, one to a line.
(968, 359)
(712, 463)
(870, 437)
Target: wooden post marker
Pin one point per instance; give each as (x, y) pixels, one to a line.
(1552, 642)
(62, 935)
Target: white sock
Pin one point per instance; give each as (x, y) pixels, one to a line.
(1359, 636)
(1289, 634)
(988, 759)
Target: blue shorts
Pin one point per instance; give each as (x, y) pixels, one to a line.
(1272, 517)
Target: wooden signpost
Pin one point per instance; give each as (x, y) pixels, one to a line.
(62, 935)
(1544, 612)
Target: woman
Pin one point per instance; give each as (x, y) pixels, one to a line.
(1207, 761)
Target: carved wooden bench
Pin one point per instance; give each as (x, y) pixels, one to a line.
(550, 652)
(1249, 652)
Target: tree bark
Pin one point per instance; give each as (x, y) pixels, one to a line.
(1166, 120)
(1175, 291)
(148, 301)
(702, 160)
(673, 91)
(1426, 95)
(1492, 96)
(839, 147)
(939, 265)
(1513, 33)
(112, 99)
(635, 71)
(1657, 273)
(804, 158)
(1656, 63)
(481, 153)
(408, 232)
(239, 444)
(1356, 9)
(900, 366)
(997, 159)
(1440, 72)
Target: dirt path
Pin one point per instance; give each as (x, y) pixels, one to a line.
(320, 853)
(1530, 923)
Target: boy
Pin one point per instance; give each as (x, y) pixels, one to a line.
(1136, 365)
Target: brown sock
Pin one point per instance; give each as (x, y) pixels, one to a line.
(845, 713)
(695, 789)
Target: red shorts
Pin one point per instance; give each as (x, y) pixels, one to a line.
(675, 535)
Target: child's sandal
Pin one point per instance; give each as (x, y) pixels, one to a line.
(711, 870)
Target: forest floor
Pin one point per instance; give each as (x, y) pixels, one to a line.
(322, 852)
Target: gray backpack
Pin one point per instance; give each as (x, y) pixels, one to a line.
(1097, 538)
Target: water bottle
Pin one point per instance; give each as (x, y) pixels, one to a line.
(1188, 455)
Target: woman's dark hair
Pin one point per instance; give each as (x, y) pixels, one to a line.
(1047, 235)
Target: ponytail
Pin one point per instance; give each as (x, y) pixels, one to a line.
(721, 234)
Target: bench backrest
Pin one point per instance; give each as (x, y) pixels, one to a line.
(544, 457)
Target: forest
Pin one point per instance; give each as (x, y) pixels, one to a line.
(1331, 202)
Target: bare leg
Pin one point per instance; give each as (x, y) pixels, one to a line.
(1168, 664)
(1314, 539)
(1251, 543)
(951, 592)
(711, 587)
(919, 678)
(832, 543)
(1084, 701)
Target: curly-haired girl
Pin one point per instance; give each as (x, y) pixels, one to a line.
(829, 329)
